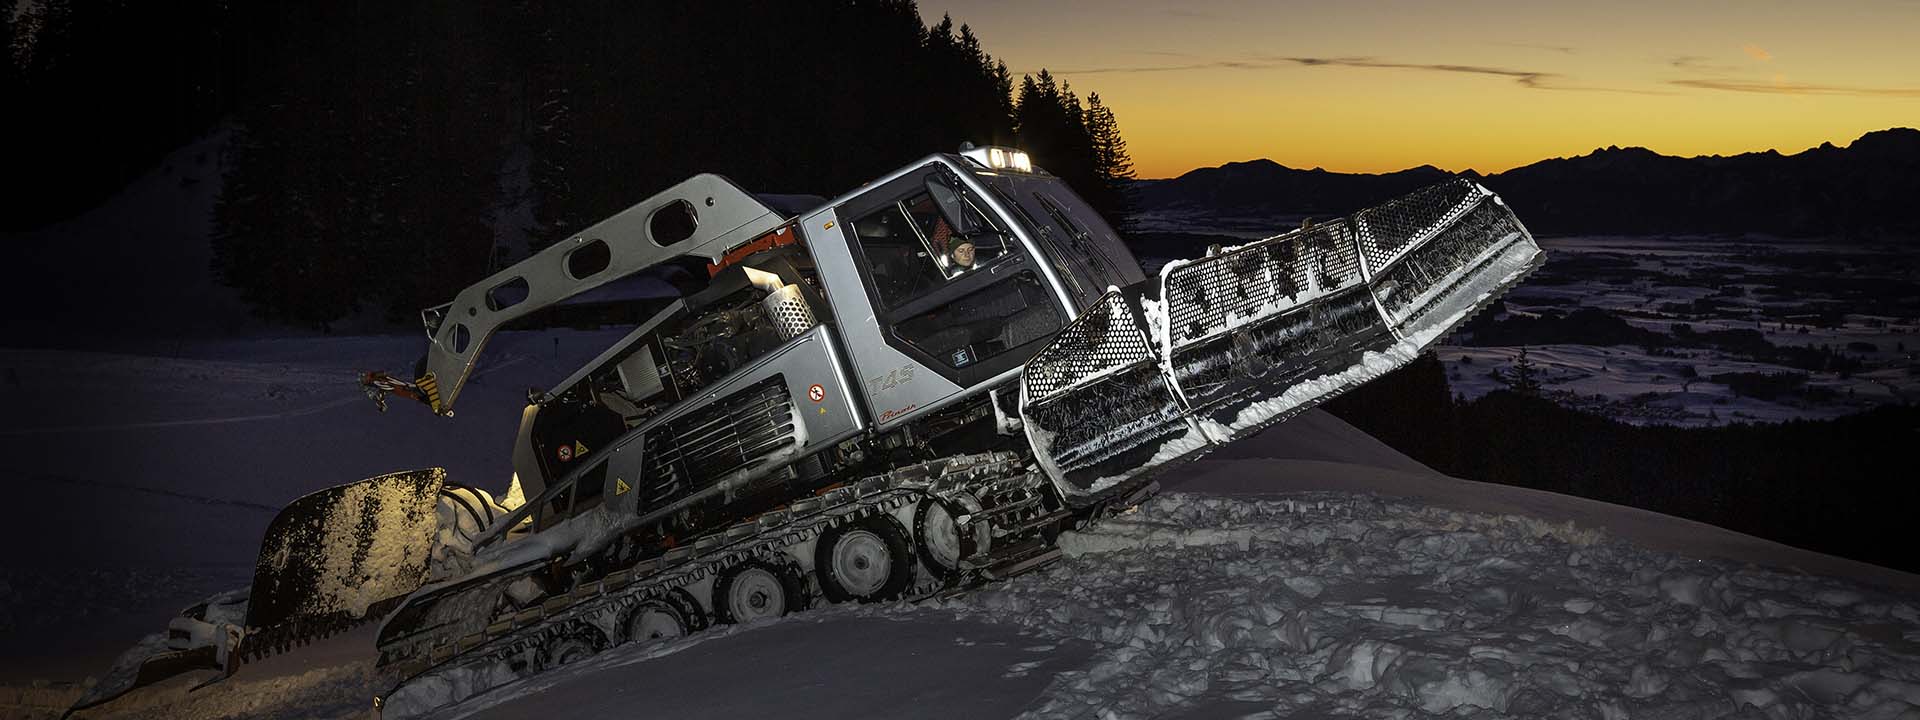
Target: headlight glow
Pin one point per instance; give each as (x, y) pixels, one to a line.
(1000, 158)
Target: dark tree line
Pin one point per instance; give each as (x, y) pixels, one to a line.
(375, 142)
(366, 161)
(799, 97)
(1839, 486)
(1076, 142)
(96, 91)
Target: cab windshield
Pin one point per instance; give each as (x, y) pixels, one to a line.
(1083, 249)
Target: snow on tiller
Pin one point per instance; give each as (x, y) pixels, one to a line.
(1219, 347)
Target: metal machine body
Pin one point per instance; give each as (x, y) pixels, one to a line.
(907, 390)
(891, 358)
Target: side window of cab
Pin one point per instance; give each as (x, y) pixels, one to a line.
(931, 255)
(913, 248)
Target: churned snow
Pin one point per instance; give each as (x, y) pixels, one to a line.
(1333, 579)
(1355, 605)
(1306, 572)
(1315, 604)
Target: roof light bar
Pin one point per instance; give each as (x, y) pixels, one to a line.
(999, 158)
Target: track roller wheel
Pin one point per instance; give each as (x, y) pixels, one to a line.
(570, 647)
(867, 560)
(755, 590)
(696, 617)
(669, 616)
(939, 540)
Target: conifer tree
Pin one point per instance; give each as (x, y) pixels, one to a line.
(1112, 164)
(11, 40)
(1526, 379)
(371, 142)
(365, 168)
(103, 89)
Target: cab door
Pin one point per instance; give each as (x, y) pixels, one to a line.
(955, 300)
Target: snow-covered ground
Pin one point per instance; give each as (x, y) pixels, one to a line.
(137, 266)
(1857, 302)
(141, 483)
(1310, 604)
(1309, 572)
(1626, 383)
(145, 476)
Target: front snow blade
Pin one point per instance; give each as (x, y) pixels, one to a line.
(341, 556)
(1225, 345)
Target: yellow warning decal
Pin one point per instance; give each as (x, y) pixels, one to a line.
(620, 487)
(432, 388)
(579, 449)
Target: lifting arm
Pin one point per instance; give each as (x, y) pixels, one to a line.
(702, 216)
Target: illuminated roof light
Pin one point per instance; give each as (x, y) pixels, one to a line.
(999, 158)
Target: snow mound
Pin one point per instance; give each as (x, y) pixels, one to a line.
(1352, 605)
(1308, 604)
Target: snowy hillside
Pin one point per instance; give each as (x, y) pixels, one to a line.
(1305, 605)
(1311, 571)
(150, 478)
(1705, 331)
(136, 268)
(1213, 603)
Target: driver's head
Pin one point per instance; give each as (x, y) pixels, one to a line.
(963, 254)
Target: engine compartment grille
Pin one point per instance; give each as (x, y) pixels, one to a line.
(692, 452)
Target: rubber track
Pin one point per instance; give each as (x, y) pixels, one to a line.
(602, 603)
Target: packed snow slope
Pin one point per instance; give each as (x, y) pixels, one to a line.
(1322, 604)
(140, 481)
(1311, 572)
(136, 267)
(1333, 579)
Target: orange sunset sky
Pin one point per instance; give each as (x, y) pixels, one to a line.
(1369, 86)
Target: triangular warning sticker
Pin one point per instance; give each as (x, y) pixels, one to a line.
(579, 449)
(620, 487)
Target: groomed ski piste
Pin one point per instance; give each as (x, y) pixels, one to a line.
(1308, 572)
